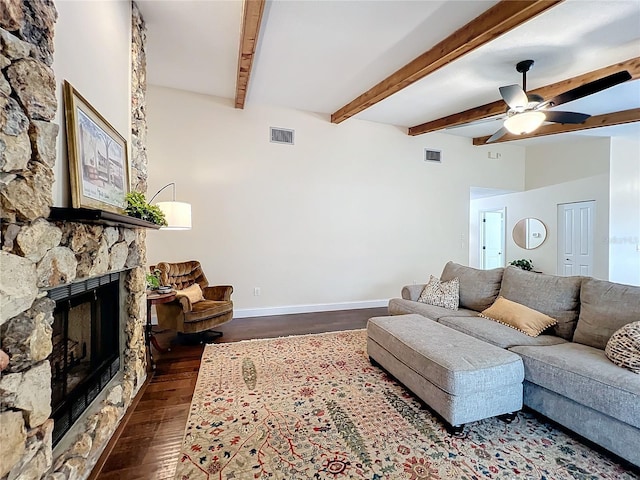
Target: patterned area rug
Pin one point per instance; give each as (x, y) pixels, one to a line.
(313, 407)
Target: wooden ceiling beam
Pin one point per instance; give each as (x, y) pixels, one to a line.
(604, 120)
(251, 20)
(499, 107)
(499, 19)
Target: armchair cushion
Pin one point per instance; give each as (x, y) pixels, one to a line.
(206, 309)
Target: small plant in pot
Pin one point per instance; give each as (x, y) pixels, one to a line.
(153, 280)
(138, 207)
(523, 264)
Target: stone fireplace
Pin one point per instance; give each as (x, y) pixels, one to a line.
(72, 292)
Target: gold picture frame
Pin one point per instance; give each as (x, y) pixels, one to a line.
(97, 154)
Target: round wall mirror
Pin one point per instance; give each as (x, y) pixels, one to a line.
(529, 233)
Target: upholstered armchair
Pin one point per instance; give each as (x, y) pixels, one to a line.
(195, 309)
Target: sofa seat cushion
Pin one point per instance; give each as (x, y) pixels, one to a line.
(400, 306)
(496, 333)
(558, 297)
(456, 363)
(585, 375)
(604, 308)
(207, 308)
(478, 288)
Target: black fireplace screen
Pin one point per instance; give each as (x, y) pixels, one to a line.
(86, 350)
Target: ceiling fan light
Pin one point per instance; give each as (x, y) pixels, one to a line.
(525, 122)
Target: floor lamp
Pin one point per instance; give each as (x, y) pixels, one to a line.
(177, 214)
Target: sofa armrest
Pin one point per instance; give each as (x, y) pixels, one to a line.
(218, 292)
(412, 292)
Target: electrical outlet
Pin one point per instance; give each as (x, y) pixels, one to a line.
(256, 292)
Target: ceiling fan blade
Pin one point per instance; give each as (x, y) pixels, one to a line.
(514, 96)
(565, 117)
(589, 88)
(496, 136)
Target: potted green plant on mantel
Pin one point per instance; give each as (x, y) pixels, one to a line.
(523, 264)
(138, 207)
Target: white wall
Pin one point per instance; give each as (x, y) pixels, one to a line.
(542, 203)
(624, 227)
(350, 213)
(93, 53)
(562, 161)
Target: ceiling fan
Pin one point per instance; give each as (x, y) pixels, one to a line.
(527, 112)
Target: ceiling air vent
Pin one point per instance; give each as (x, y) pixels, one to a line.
(432, 155)
(281, 135)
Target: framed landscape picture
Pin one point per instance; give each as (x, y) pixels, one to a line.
(98, 161)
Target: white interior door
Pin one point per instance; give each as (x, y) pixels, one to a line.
(575, 238)
(492, 238)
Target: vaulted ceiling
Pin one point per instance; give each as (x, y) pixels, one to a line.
(422, 65)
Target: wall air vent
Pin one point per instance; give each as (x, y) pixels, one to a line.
(432, 155)
(281, 135)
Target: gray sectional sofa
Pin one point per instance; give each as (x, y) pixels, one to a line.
(568, 377)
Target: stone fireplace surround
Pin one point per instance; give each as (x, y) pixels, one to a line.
(38, 253)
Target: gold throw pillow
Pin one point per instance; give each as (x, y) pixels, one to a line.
(192, 292)
(520, 317)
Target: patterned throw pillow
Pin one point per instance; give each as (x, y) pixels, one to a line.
(623, 348)
(441, 294)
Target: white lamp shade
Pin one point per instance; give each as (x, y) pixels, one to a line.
(525, 122)
(177, 214)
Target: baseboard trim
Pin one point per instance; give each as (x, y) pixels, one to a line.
(320, 307)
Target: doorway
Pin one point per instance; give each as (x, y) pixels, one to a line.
(492, 238)
(575, 238)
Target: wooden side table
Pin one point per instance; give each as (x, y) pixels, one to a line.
(154, 298)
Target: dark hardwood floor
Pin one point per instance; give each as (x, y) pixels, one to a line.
(149, 439)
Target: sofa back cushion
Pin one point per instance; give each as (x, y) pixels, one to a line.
(478, 288)
(558, 297)
(604, 308)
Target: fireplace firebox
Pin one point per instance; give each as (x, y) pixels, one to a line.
(86, 347)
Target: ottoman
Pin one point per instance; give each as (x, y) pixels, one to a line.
(460, 377)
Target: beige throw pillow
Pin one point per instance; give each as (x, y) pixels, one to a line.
(520, 317)
(441, 294)
(192, 292)
(623, 348)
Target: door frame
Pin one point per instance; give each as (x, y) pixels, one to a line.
(481, 234)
